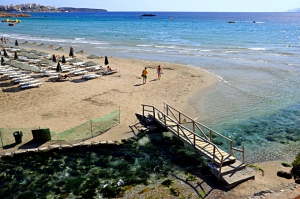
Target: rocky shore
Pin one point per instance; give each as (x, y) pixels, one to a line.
(5, 14)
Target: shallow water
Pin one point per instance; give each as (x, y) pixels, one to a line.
(256, 101)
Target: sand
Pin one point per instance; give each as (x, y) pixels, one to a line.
(62, 105)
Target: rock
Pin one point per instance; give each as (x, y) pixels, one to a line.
(284, 174)
(5, 14)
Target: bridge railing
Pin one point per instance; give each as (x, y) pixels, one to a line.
(184, 130)
(181, 118)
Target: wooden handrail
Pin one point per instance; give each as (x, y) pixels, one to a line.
(182, 128)
(168, 109)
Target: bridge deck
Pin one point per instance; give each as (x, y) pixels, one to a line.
(202, 145)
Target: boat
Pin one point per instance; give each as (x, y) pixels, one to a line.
(230, 22)
(148, 15)
(11, 24)
(11, 21)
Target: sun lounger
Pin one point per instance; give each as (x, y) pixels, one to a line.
(29, 82)
(67, 69)
(79, 72)
(49, 73)
(23, 80)
(93, 68)
(90, 76)
(16, 75)
(108, 72)
(31, 85)
(19, 78)
(78, 63)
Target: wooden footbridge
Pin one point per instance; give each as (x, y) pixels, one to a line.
(224, 165)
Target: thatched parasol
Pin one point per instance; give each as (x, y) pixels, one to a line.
(93, 57)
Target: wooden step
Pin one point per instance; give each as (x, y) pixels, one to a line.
(236, 166)
(233, 179)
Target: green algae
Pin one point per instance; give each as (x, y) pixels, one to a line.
(90, 171)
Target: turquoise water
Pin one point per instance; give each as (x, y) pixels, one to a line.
(256, 101)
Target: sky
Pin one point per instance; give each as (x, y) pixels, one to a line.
(172, 5)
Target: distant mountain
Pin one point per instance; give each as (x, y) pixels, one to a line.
(294, 10)
(71, 9)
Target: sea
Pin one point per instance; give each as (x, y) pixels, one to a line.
(256, 60)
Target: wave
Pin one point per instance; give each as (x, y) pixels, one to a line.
(79, 38)
(144, 45)
(257, 49)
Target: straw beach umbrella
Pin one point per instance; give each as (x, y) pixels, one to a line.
(82, 52)
(60, 49)
(26, 42)
(93, 57)
(90, 63)
(106, 61)
(75, 60)
(52, 46)
(45, 61)
(33, 51)
(42, 44)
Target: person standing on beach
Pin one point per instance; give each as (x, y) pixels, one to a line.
(71, 54)
(159, 72)
(144, 75)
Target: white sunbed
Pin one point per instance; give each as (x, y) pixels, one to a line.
(106, 72)
(49, 73)
(90, 76)
(24, 80)
(67, 69)
(94, 68)
(29, 82)
(31, 85)
(16, 75)
(79, 72)
(78, 63)
(23, 77)
(9, 73)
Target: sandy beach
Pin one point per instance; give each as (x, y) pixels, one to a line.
(62, 105)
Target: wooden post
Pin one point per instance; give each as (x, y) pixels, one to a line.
(153, 111)
(1, 138)
(214, 153)
(167, 109)
(220, 165)
(178, 130)
(143, 112)
(193, 126)
(179, 118)
(92, 128)
(194, 141)
(165, 120)
(243, 154)
(231, 146)
(210, 135)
